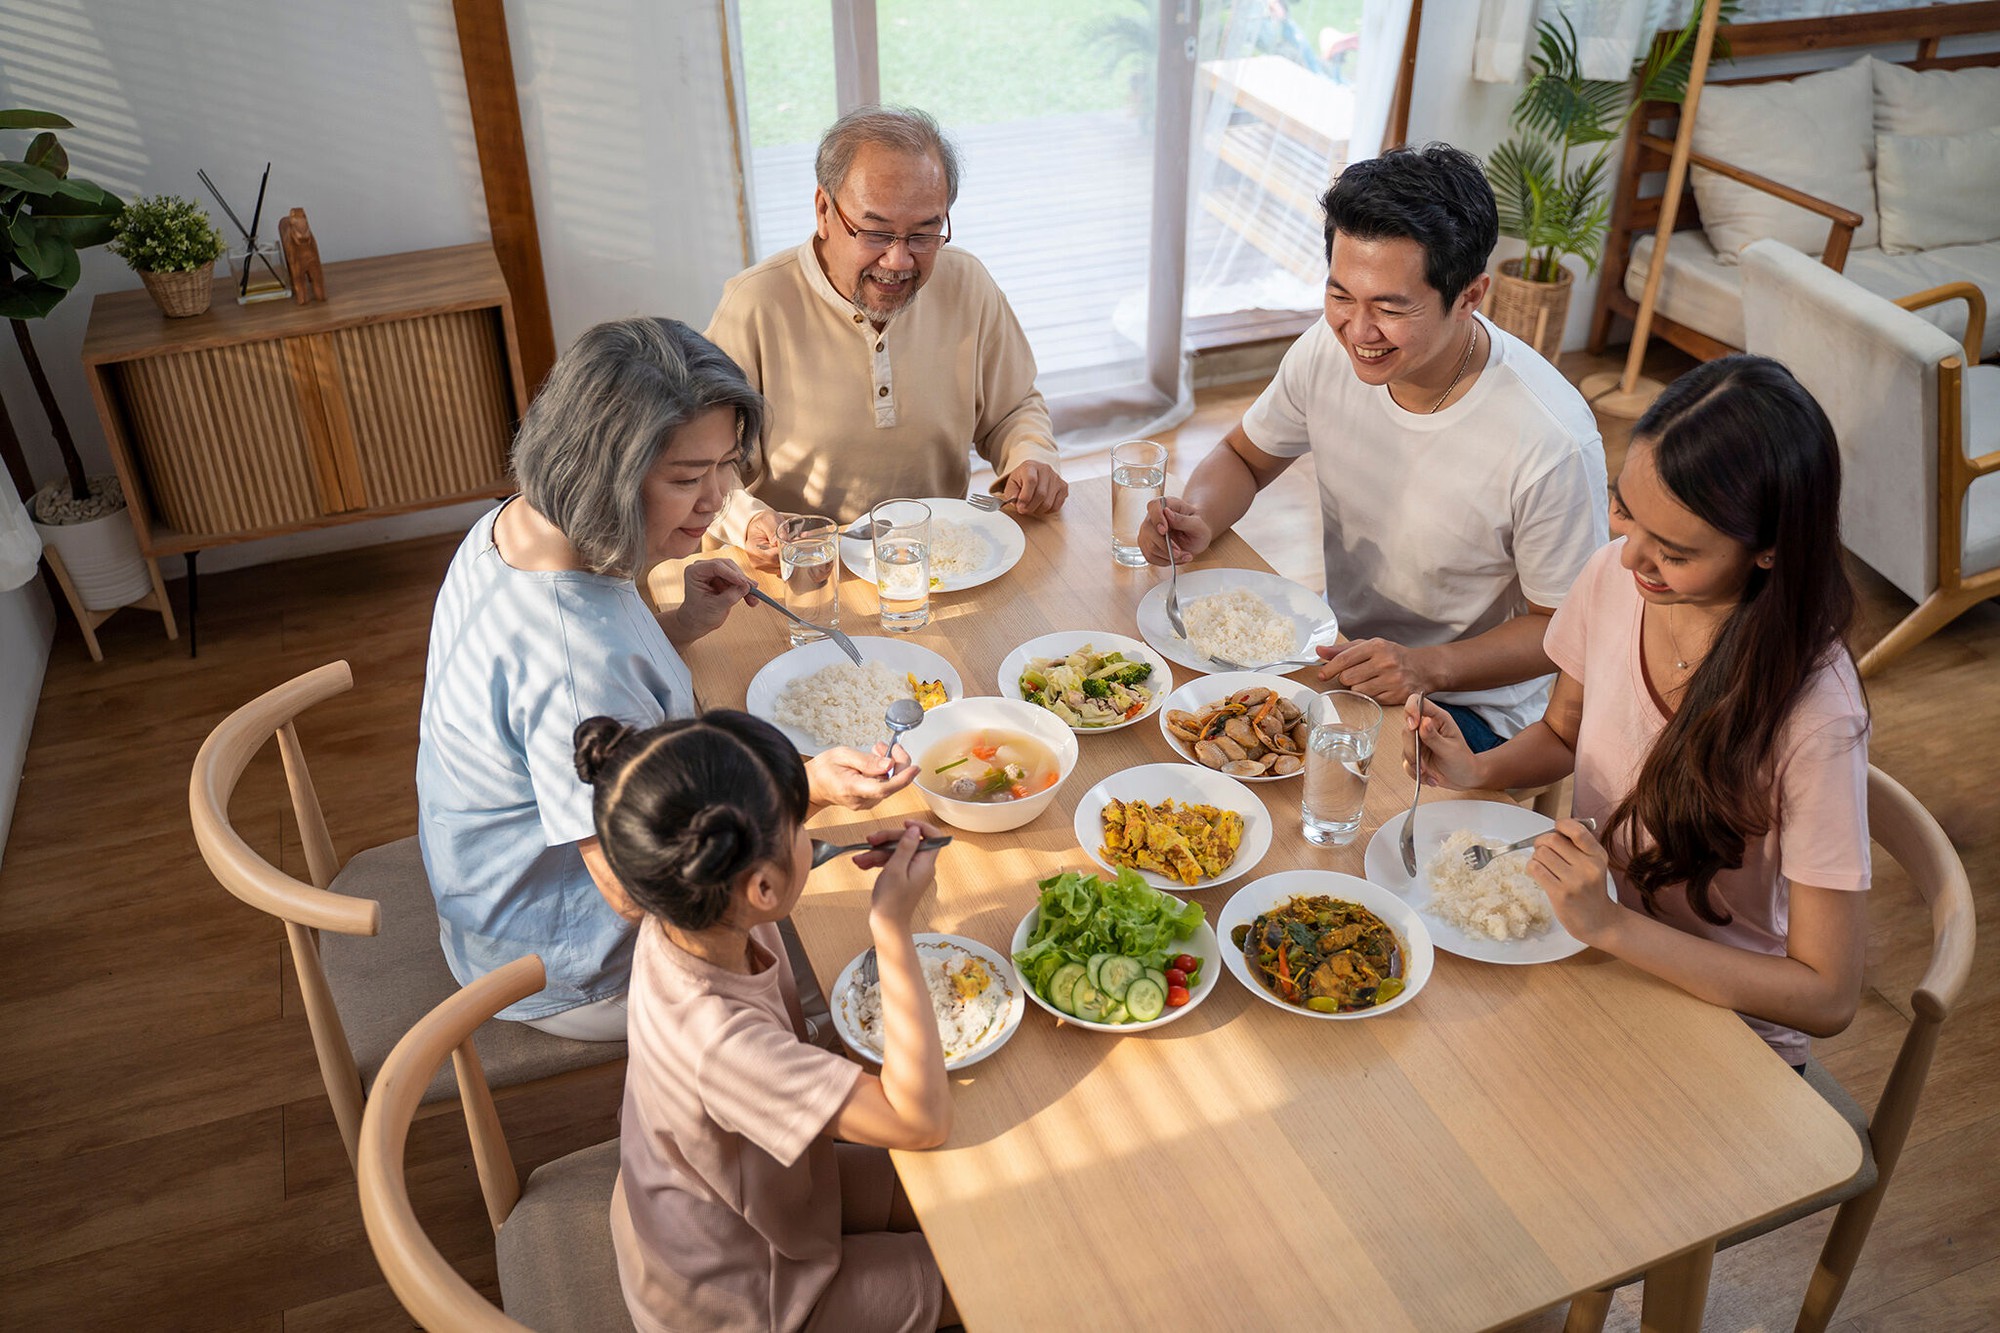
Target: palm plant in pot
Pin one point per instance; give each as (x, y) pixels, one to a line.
(46, 217)
(1549, 180)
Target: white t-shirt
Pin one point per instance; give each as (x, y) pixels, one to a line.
(1439, 527)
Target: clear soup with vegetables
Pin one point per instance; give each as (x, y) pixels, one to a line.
(989, 766)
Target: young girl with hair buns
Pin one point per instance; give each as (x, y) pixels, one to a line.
(735, 1208)
(1711, 714)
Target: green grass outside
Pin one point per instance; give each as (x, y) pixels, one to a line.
(967, 62)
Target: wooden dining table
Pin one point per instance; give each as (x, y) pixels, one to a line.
(1509, 1137)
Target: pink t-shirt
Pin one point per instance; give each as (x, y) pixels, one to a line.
(1819, 828)
(726, 1214)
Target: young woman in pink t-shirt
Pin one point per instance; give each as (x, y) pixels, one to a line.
(735, 1208)
(1709, 710)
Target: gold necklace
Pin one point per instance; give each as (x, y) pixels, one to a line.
(1463, 362)
(1673, 641)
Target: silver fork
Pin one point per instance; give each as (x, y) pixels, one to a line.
(1174, 588)
(1479, 855)
(1292, 664)
(990, 503)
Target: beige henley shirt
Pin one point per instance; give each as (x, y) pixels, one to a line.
(858, 415)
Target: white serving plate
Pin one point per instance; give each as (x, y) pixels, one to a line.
(1261, 895)
(1185, 783)
(1064, 642)
(996, 1036)
(1202, 944)
(1494, 822)
(1203, 691)
(1306, 609)
(761, 699)
(1005, 545)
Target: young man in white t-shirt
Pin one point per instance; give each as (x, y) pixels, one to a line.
(1461, 477)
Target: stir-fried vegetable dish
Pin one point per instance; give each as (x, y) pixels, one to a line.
(1323, 954)
(1188, 842)
(1088, 688)
(1107, 951)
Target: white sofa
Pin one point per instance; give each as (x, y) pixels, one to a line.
(1916, 154)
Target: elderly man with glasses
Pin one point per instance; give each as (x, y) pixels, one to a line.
(874, 392)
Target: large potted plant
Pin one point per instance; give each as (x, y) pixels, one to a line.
(46, 217)
(1549, 180)
(171, 244)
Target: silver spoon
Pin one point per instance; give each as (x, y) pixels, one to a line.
(902, 715)
(827, 851)
(1409, 839)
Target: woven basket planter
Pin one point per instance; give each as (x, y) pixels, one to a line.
(182, 294)
(1534, 312)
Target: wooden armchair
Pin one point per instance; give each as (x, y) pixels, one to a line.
(553, 1239)
(1918, 419)
(364, 936)
(1903, 828)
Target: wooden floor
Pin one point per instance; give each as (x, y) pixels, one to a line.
(166, 1157)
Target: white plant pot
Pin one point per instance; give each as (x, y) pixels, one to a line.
(103, 560)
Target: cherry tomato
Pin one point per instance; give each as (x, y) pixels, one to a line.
(1176, 996)
(1187, 962)
(1176, 977)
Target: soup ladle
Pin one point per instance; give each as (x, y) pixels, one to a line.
(903, 714)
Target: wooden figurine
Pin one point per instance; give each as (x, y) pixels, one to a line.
(301, 257)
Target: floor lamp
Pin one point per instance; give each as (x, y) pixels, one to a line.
(1629, 394)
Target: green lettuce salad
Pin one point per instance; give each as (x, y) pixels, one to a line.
(1084, 917)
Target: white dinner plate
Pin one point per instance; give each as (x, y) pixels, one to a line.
(1202, 944)
(1495, 822)
(992, 1039)
(1261, 895)
(1185, 783)
(1005, 545)
(1306, 609)
(1064, 642)
(761, 699)
(1203, 691)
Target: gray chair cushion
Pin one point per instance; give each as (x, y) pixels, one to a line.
(382, 984)
(558, 1271)
(1828, 1087)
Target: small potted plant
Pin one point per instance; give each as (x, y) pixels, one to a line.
(171, 244)
(1549, 180)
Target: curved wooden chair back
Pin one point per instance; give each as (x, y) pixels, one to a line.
(1904, 829)
(423, 1279)
(305, 908)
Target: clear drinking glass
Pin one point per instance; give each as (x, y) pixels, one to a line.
(903, 563)
(809, 560)
(1138, 477)
(1338, 751)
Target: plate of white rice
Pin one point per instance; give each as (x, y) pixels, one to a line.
(1246, 615)
(969, 546)
(1496, 915)
(820, 699)
(974, 993)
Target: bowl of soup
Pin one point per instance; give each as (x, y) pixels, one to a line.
(988, 764)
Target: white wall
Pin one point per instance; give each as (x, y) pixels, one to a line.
(360, 106)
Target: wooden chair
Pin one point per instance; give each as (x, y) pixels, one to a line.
(1918, 419)
(552, 1238)
(364, 936)
(1903, 828)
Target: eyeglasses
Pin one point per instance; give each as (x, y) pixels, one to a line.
(918, 243)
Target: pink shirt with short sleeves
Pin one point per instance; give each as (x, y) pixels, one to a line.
(1819, 830)
(727, 1212)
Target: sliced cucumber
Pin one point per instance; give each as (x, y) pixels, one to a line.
(1062, 986)
(1097, 963)
(1145, 1001)
(1115, 1013)
(1117, 973)
(1087, 1001)
(1158, 978)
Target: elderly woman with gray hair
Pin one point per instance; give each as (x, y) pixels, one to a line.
(624, 460)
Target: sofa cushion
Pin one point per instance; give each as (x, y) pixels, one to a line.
(1934, 101)
(1934, 190)
(1700, 291)
(1982, 498)
(1815, 133)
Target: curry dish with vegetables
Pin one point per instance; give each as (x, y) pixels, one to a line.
(1323, 954)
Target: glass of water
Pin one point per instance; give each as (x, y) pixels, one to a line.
(903, 563)
(809, 559)
(1338, 751)
(1138, 477)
